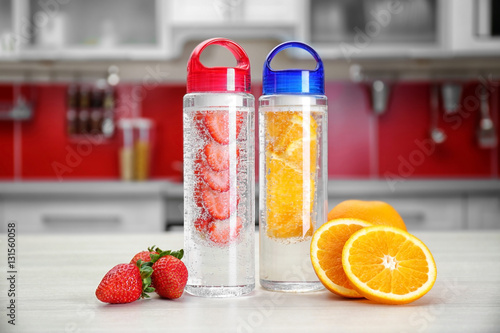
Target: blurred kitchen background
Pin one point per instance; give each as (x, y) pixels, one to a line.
(91, 104)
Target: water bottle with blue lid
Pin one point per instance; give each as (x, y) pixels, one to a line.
(292, 171)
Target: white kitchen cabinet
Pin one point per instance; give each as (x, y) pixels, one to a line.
(60, 215)
(483, 212)
(428, 204)
(253, 19)
(424, 213)
(175, 212)
(203, 13)
(200, 12)
(359, 29)
(5, 16)
(88, 29)
(470, 27)
(275, 12)
(136, 29)
(159, 29)
(139, 207)
(377, 28)
(83, 207)
(7, 45)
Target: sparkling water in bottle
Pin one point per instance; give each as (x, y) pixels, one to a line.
(293, 172)
(219, 171)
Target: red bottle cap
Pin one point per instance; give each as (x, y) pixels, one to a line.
(207, 79)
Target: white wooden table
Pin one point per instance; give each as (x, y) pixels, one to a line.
(58, 274)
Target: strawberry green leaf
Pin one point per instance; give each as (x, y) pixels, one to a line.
(154, 257)
(146, 271)
(177, 254)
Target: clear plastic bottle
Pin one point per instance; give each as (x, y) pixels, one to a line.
(293, 172)
(219, 171)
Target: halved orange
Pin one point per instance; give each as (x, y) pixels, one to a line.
(374, 212)
(388, 265)
(326, 254)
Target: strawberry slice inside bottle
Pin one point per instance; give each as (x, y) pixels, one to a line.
(217, 180)
(218, 204)
(217, 156)
(203, 221)
(217, 123)
(222, 232)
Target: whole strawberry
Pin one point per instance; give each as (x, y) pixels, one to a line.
(169, 274)
(124, 283)
(145, 255)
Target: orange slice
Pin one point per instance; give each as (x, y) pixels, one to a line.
(374, 212)
(290, 173)
(326, 254)
(294, 153)
(388, 265)
(284, 127)
(276, 125)
(289, 200)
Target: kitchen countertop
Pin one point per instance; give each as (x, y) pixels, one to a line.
(57, 277)
(170, 189)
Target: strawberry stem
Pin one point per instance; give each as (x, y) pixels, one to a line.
(145, 270)
(177, 254)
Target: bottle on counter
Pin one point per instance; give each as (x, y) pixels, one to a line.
(219, 190)
(84, 112)
(108, 122)
(126, 153)
(292, 172)
(142, 148)
(96, 113)
(72, 109)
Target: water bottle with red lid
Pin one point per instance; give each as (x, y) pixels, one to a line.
(219, 169)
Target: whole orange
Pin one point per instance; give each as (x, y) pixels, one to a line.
(374, 212)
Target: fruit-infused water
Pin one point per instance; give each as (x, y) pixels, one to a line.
(219, 200)
(219, 169)
(292, 194)
(292, 171)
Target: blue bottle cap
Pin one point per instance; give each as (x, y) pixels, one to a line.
(293, 81)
